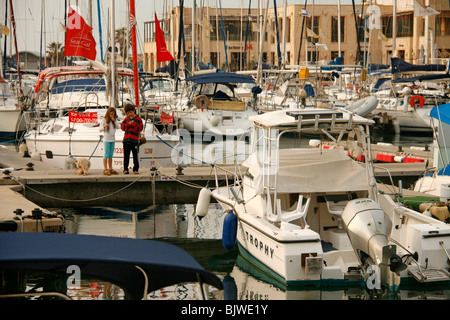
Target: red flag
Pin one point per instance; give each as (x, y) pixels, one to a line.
(161, 49)
(79, 39)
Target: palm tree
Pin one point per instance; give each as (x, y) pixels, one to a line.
(124, 44)
(55, 51)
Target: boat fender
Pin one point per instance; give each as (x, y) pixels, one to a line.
(35, 155)
(302, 94)
(24, 150)
(229, 231)
(398, 159)
(214, 120)
(416, 99)
(440, 212)
(204, 198)
(69, 163)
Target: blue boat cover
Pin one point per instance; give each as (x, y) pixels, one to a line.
(221, 77)
(399, 65)
(104, 258)
(441, 113)
(87, 85)
(428, 77)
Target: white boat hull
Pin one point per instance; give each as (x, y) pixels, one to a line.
(154, 153)
(12, 123)
(225, 123)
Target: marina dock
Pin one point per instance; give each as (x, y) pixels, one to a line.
(33, 184)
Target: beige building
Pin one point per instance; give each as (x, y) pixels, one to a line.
(375, 33)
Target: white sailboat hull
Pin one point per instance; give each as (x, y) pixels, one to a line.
(224, 123)
(13, 122)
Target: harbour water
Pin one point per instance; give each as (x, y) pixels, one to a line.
(178, 224)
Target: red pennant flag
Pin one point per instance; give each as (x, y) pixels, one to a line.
(161, 49)
(79, 39)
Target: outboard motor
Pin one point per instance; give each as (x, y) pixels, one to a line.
(368, 229)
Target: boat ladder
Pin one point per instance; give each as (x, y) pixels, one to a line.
(430, 275)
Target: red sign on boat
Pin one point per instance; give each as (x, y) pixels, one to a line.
(166, 118)
(83, 117)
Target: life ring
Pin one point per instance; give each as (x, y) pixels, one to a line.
(201, 101)
(268, 86)
(39, 83)
(421, 101)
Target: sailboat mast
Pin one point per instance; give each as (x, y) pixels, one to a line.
(193, 38)
(112, 32)
(100, 29)
(133, 44)
(15, 44)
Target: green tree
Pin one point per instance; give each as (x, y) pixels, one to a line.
(121, 39)
(55, 52)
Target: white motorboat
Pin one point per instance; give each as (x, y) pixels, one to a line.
(213, 107)
(408, 99)
(297, 93)
(307, 215)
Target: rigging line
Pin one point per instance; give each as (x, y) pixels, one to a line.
(189, 184)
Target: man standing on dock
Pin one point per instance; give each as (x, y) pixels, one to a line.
(132, 125)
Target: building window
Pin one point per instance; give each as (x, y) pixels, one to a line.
(404, 25)
(232, 30)
(442, 25)
(334, 29)
(315, 28)
(214, 59)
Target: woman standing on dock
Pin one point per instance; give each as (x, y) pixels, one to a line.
(109, 124)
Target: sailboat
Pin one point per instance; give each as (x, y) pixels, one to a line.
(13, 103)
(73, 132)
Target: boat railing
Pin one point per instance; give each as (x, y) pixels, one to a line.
(236, 176)
(390, 178)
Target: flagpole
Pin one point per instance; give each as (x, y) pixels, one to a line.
(394, 30)
(133, 43)
(339, 27)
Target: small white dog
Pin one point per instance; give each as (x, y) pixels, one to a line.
(82, 166)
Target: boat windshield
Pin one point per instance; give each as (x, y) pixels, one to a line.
(215, 89)
(158, 84)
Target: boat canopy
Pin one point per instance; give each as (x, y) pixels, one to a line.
(289, 118)
(105, 258)
(428, 77)
(399, 65)
(221, 77)
(441, 113)
(315, 168)
(79, 85)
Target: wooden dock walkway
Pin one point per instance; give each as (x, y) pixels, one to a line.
(44, 186)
